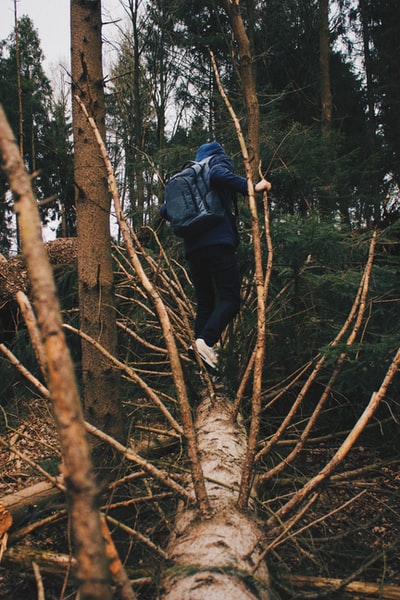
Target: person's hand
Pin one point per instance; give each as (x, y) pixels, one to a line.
(263, 185)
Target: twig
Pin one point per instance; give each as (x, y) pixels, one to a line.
(268, 272)
(329, 586)
(39, 581)
(142, 499)
(242, 386)
(142, 341)
(281, 539)
(24, 371)
(161, 476)
(129, 454)
(24, 531)
(118, 573)
(144, 540)
(286, 532)
(172, 270)
(56, 481)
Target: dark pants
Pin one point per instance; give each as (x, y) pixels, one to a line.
(216, 279)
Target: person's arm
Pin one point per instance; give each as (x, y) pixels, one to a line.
(222, 177)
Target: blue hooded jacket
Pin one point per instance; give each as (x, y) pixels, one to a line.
(228, 184)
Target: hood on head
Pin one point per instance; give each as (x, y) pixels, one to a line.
(208, 150)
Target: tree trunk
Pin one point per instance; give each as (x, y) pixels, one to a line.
(368, 67)
(50, 563)
(96, 301)
(138, 101)
(324, 53)
(247, 77)
(217, 557)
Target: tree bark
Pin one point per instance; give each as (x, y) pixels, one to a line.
(96, 300)
(324, 54)
(19, 504)
(138, 116)
(215, 557)
(50, 563)
(248, 83)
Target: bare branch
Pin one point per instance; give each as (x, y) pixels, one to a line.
(34, 333)
(81, 487)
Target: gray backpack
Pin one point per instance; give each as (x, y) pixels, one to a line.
(190, 205)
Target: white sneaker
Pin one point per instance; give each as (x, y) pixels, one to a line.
(207, 353)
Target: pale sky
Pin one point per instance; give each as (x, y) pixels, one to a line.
(51, 19)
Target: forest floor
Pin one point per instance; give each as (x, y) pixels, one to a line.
(366, 531)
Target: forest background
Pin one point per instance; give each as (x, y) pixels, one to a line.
(329, 141)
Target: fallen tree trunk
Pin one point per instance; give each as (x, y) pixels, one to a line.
(372, 590)
(55, 564)
(49, 563)
(38, 496)
(214, 557)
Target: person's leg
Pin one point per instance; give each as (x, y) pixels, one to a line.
(223, 265)
(204, 289)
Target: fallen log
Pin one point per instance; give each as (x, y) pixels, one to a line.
(214, 557)
(373, 590)
(49, 563)
(58, 564)
(36, 497)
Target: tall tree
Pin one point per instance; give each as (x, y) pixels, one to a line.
(384, 30)
(324, 59)
(41, 124)
(129, 107)
(96, 301)
(248, 82)
(25, 93)
(59, 153)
